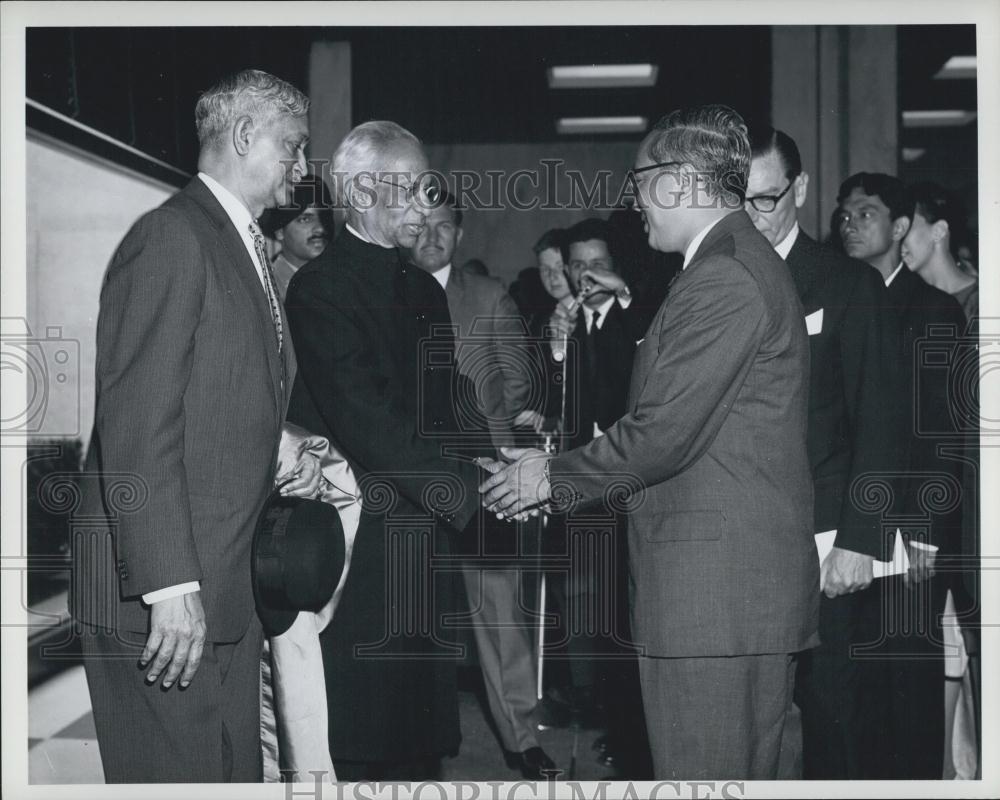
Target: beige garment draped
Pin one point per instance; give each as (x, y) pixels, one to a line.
(293, 688)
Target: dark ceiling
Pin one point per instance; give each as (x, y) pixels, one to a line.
(950, 154)
(489, 84)
(453, 85)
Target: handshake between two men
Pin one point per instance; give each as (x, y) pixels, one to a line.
(518, 487)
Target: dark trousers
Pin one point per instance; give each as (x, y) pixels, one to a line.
(827, 692)
(206, 733)
(717, 718)
(902, 680)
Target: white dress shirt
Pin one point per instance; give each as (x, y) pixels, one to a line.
(240, 216)
(784, 247)
(442, 275)
(697, 240)
(895, 272)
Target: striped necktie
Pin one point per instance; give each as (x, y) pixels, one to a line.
(269, 290)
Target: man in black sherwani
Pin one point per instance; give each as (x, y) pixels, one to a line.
(376, 378)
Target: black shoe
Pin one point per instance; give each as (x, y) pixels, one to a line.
(533, 763)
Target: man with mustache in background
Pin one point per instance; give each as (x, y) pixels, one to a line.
(302, 228)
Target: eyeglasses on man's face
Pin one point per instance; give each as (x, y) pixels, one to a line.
(636, 171)
(766, 203)
(426, 192)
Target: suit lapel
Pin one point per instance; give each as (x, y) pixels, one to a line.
(244, 268)
(454, 289)
(802, 263)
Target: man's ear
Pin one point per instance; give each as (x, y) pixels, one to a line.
(458, 237)
(939, 230)
(279, 234)
(801, 189)
(900, 227)
(360, 195)
(243, 135)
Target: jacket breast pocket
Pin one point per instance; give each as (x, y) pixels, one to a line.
(684, 526)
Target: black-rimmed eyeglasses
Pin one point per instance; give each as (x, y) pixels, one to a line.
(766, 203)
(636, 170)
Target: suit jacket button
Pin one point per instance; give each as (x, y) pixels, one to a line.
(438, 423)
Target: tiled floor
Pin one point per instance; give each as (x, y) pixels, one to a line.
(63, 746)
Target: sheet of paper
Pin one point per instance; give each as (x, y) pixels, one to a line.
(880, 569)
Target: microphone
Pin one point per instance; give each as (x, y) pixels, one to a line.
(559, 346)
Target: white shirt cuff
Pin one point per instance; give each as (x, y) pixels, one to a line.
(171, 591)
(624, 302)
(922, 546)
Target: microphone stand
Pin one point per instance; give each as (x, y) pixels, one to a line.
(551, 446)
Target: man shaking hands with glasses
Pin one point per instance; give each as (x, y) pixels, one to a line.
(723, 564)
(361, 319)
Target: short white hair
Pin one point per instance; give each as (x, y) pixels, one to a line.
(367, 148)
(250, 93)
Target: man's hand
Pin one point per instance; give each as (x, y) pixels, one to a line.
(844, 572)
(921, 565)
(306, 477)
(176, 639)
(530, 419)
(296, 462)
(562, 322)
(516, 487)
(607, 279)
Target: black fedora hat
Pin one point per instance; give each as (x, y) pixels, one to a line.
(296, 560)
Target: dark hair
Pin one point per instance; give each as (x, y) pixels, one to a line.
(588, 229)
(888, 188)
(934, 203)
(554, 239)
(770, 140)
(310, 191)
(448, 199)
(713, 140)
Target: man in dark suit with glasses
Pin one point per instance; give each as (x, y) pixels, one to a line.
(853, 430)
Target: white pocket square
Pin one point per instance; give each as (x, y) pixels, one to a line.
(814, 322)
(640, 341)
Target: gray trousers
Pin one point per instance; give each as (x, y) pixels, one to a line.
(206, 733)
(716, 718)
(506, 654)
